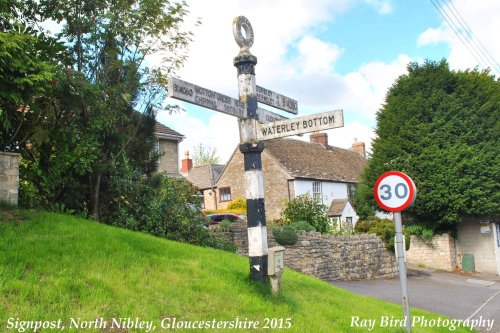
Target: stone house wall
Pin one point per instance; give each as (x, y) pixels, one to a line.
(169, 159)
(330, 257)
(277, 187)
(437, 252)
(9, 177)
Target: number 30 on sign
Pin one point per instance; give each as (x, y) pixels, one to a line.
(394, 191)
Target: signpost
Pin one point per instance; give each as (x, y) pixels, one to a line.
(256, 125)
(394, 192)
(296, 126)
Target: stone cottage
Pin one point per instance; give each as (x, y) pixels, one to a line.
(294, 167)
(205, 178)
(168, 146)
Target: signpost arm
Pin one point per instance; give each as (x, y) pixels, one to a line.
(251, 149)
(400, 252)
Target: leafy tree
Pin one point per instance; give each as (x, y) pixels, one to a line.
(205, 155)
(28, 60)
(102, 123)
(442, 128)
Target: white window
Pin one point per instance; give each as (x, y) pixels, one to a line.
(225, 194)
(317, 193)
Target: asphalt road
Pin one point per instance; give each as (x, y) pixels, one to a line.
(453, 295)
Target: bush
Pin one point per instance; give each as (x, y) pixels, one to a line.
(302, 226)
(420, 231)
(238, 204)
(286, 235)
(305, 208)
(384, 228)
(165, 207)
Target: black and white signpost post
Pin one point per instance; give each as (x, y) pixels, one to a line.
(256, 125)
(394, 192)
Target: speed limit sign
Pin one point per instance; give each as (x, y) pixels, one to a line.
(394, 191)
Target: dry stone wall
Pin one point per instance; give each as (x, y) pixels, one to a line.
(330, 257)
(9, 177)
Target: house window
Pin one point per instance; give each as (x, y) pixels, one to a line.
(348, 220)
(351, 190)
(317, 190)
(225, 194)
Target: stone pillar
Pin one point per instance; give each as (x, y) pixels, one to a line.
(9, 177)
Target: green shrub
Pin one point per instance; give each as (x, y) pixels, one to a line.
(165, 207)
(238, 204)
(384, 228)
(420, 230)
(305, 208)
(225, 225)
(302, 225)
(286, 235)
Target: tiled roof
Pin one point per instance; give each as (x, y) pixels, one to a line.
(205, 176)
(336, 207)
(162, 130)
(311, 160)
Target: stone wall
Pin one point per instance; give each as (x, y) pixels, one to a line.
(437, 252)
(9, 177)
(330, 257)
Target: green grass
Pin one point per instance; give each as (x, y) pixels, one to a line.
(54, 266)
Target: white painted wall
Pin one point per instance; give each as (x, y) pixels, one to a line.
(330, 190)
(349, 212)
(496, 229)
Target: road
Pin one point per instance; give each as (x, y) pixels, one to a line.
(475, 296)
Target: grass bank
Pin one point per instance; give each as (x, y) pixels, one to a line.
(64, 270)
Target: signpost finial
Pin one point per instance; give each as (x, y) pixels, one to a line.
(243, 39)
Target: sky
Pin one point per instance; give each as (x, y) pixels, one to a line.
(327, 55)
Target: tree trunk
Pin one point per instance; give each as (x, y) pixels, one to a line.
(95, 187)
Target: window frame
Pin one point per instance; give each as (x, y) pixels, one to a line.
(223, 195)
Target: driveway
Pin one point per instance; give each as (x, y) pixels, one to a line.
(472, 296)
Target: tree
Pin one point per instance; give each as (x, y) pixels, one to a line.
(442, 128)
(101, 124)
(205, 155)
(28, 60)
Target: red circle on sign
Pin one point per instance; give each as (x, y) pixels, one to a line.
(406, 202)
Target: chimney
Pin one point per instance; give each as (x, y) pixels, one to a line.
(359, 147)
(187, 163)
(321, 138)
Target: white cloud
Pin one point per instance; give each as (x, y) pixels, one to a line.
(293, 59)
(316, 56)
(482, 19)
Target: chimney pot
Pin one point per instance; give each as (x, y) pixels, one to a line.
(187, 163)
(359, 147)
(321, 138)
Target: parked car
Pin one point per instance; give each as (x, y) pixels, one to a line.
(197, 214)
(219, 217)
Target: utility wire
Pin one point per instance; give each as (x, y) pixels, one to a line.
(480, 54)
(473, 36)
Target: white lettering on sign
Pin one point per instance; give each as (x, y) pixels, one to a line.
(194, 94)
(276, 100)
(301, 125)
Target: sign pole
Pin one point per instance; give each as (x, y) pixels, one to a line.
(394, 192)
(251, 149)
(403, 279)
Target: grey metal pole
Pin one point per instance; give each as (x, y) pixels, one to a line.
(400, 254)
(251, 149)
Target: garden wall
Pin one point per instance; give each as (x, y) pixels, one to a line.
(330, 257)
(437, 252)
(9, 177)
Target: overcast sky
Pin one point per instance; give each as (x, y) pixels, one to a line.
(326, 54)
